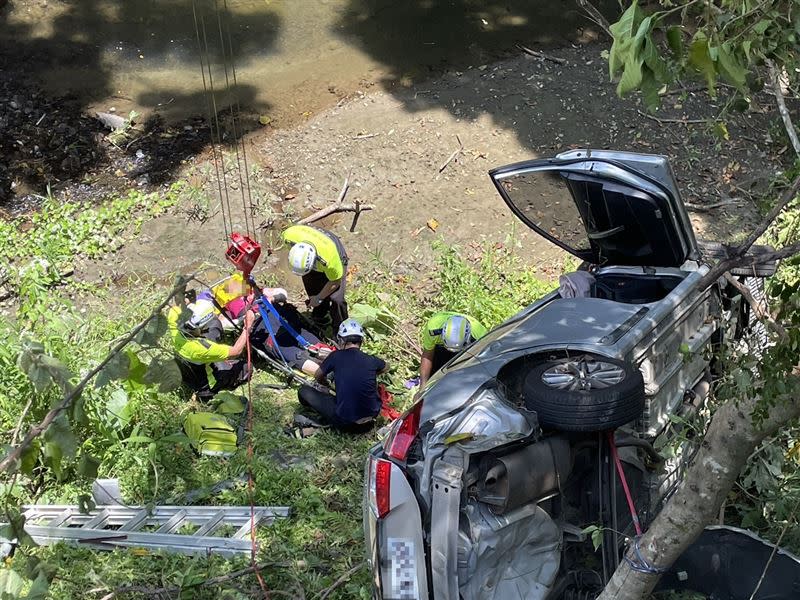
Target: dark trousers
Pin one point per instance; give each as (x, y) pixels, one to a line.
(441, 356)
(334, 305)
(229, 374)
(324, 404)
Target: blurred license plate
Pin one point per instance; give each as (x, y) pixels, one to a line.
(403, 568)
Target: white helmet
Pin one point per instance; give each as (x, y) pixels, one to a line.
(202, 314)
(302, 257)
(351, 328)
(456, 332)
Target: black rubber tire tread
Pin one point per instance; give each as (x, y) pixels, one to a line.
(718, 251)
(585, 410)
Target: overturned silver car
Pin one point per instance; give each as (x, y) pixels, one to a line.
(549, 424)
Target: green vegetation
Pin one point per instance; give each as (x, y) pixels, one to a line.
(128, 423)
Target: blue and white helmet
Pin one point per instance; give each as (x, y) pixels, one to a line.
(456, 332)
(351, 328)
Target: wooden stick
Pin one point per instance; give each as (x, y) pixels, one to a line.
(355, 216)
(324, 212)
(713, 205)
(335, 208)
(774, 79)
(542, 55)
(453, 155)
(327, 592)
(662, 121)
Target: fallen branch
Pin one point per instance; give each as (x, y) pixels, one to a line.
(758, 307)
(663, 121)
(328, 591)
(365, 136)
(713, 205)
(14, 455)
(774, 79)
(596, 16)
(453, 155)
(542, 55)
(355, 207)
(329, 210)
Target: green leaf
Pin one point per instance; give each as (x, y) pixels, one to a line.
(654, 61)
(10, 584)
(57, 370)
(176, 438)
(650, 87)
(623, 32)
(165, 373)
(597, 538)
(675, 40)
(60, 434)
(118, 367)
(39, 588)
(87, 466)
(721, 131)
(30, 456)
(137, 368)
(730, 67)
(118, 413)
(700, 59)
(760, 27)
(152, 332)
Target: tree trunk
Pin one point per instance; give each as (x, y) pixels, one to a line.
(732, 436)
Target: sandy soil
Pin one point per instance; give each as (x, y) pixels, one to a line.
(392, 147)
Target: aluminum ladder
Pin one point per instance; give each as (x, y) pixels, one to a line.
(222, 530)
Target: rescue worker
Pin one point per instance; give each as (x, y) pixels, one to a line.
(445, 335)
(320, 258)
(207, 366)
(356, 402)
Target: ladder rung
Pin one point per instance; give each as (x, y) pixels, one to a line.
(173, 522)
(244, 530)
(210, 525)
(136, 522)
(62, 518)
(97, 521)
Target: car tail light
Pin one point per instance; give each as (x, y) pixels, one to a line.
(403, 434)
(380, 477)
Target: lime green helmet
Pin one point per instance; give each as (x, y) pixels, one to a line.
(456, 332)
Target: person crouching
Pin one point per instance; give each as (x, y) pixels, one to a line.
(356, 403)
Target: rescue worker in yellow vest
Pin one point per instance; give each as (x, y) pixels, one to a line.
(445, 335)
(320, 258)
(207, 366)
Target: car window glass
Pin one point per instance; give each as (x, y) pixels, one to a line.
(544, 202)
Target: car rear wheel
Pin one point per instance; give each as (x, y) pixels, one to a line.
(584, 393)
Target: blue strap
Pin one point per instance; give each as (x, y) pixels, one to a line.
(639, 563)
(268, 325)
(263, 302)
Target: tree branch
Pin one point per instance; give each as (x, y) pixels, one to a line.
(775, 82)
(760, 309)
(35, 431)
(596, 16)
(335, 207)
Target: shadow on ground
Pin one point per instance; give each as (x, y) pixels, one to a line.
(46, 136)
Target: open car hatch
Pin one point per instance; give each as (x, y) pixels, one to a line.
(606, 208)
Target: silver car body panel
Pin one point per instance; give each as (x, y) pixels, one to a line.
(486, 572)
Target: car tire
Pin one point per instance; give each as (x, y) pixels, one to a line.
(584, 392)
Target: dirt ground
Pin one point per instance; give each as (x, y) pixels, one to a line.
(393, 148)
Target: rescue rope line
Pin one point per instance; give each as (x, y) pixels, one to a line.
(230, 95)
(239, 111)
(208, 92)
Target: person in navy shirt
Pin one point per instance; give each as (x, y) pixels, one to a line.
(356, 403)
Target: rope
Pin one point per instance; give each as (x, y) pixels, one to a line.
(239, 111)
(250, 479)
(639, 563)
(233, 114)
(628, 498)
(211, 113)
